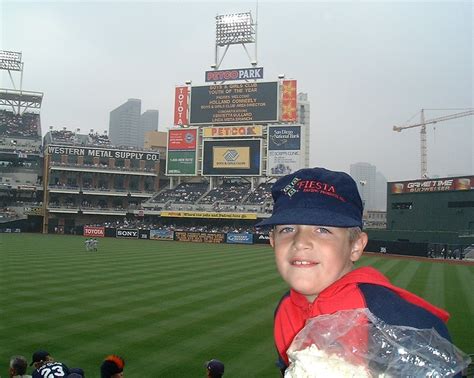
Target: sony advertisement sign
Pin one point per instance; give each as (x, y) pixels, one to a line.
(129, 234)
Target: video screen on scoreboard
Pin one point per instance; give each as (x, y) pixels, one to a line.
(232, 157)
(234, 103)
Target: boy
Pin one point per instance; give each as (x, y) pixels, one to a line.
(317, 237)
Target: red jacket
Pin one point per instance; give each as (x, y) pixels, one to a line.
(361, 288)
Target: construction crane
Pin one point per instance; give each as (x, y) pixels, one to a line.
(422, 124)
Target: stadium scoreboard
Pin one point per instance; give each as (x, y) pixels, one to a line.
(234, 103)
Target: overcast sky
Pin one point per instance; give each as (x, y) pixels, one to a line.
(365, 66)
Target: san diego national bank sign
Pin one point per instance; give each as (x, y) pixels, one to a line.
(103, 152)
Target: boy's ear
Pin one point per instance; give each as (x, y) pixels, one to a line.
(270, 234)
(358, 246)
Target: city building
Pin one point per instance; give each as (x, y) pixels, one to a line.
(148, 122)
(303, 106)
(124, 124)
(380, 192)
(364, 175)
(127, 126)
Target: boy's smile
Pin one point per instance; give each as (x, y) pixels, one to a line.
(310, 258)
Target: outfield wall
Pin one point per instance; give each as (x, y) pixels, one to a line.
(397, 247)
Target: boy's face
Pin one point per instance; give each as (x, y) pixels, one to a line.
(310, 258)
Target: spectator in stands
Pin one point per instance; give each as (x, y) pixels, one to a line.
(112, 367)
(214, 368)
(45, 366)
(18, 366)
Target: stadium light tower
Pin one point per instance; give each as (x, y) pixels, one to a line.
(235, 29)
(11, 61)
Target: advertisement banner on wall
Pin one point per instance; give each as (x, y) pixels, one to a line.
(181, 152)
(129, 234)
(181, 163)
(161, 235)
(182, 139)
(261, 239)
(143, 234)
(199, 237)
(232, 157)
(181, 106)
(94, 232)
(239, 238)
(288, 101)
(207, 214)
(284, 149)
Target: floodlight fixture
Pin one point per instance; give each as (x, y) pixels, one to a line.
(235, 28)
(10, 60)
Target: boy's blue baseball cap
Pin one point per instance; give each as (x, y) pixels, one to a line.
(316, 196)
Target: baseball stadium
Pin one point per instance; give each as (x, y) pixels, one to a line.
(179, 273)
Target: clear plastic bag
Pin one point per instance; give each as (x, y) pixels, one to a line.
(355, 343)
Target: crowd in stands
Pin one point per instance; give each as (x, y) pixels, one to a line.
(63, 136)
(185, 193)
(228, 193)
(261, 194)
(99, 140)
(26, 125)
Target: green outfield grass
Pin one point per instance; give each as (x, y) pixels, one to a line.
(166, 307)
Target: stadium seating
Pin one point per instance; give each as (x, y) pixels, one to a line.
(227, 193)
(26, 125)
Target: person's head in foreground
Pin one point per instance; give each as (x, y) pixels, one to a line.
(40, 357)
(112, 367)
(316, 228)
(18, 366)
(214, 368)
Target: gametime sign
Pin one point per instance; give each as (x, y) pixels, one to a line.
(435, 185)
(234, 103)
(96, 232)
(102, 152)
(236, 74)
(232, 157)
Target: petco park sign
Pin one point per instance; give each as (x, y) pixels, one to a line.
(236, 74)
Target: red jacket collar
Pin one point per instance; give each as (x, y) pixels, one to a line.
(371, 276)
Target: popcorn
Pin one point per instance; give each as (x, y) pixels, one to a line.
(313, 362)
